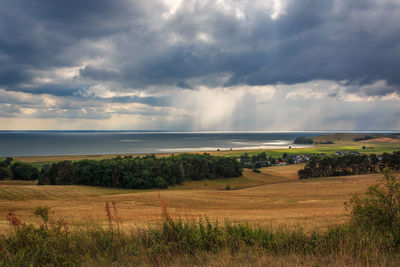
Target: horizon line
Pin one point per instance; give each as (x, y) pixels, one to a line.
(205, 131)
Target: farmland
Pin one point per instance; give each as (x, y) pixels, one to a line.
(264, 217)
(273, 197)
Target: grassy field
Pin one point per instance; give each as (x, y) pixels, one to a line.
(273, 197)
(345, 146)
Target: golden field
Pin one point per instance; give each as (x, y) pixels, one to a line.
(273, 197)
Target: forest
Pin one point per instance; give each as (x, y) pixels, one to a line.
(351, 164)
(140, 172)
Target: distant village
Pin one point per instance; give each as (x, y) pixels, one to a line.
(262, 160)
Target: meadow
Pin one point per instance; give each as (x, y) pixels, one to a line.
(267, 219)
(273, 197)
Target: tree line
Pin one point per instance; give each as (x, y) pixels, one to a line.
(140, 172)
(349, 165)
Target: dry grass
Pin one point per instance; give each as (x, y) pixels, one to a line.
(274, 196)
(259, 258)
(249, 179)
(382, 140)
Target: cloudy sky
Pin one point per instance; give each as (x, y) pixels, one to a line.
(200, 65)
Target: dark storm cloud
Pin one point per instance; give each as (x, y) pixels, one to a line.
(83, 19)
(312, 41)
(151, 101)
(98, 74)
(353, 41)
(53, 89)
(41, 35)
(338, 41)
(375, 89)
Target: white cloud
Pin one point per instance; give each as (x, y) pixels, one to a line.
(391, 97)
(357, 98)
(172, 6)
(314, 89)
(304, 94)
(278, 8)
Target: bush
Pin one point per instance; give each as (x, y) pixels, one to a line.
(5, 173)
(379, 209)
(6, 162)
(160, 182)
(23, 171)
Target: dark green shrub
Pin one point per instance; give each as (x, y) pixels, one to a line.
(160, 182)
(6, 162)
(45, 175)
(24, 171)
(5, 173)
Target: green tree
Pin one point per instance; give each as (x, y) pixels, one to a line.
(379, 208)
(6, 162)
(24, 171)
(5, 173)
(159, 182)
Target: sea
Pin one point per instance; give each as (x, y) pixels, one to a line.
(58, 143)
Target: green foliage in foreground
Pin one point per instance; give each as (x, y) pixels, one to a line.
(371, 237)
(379, 209)
(57, 245)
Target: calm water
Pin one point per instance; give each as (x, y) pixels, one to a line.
(50, 143)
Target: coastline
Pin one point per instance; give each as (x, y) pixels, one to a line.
(338, 142)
